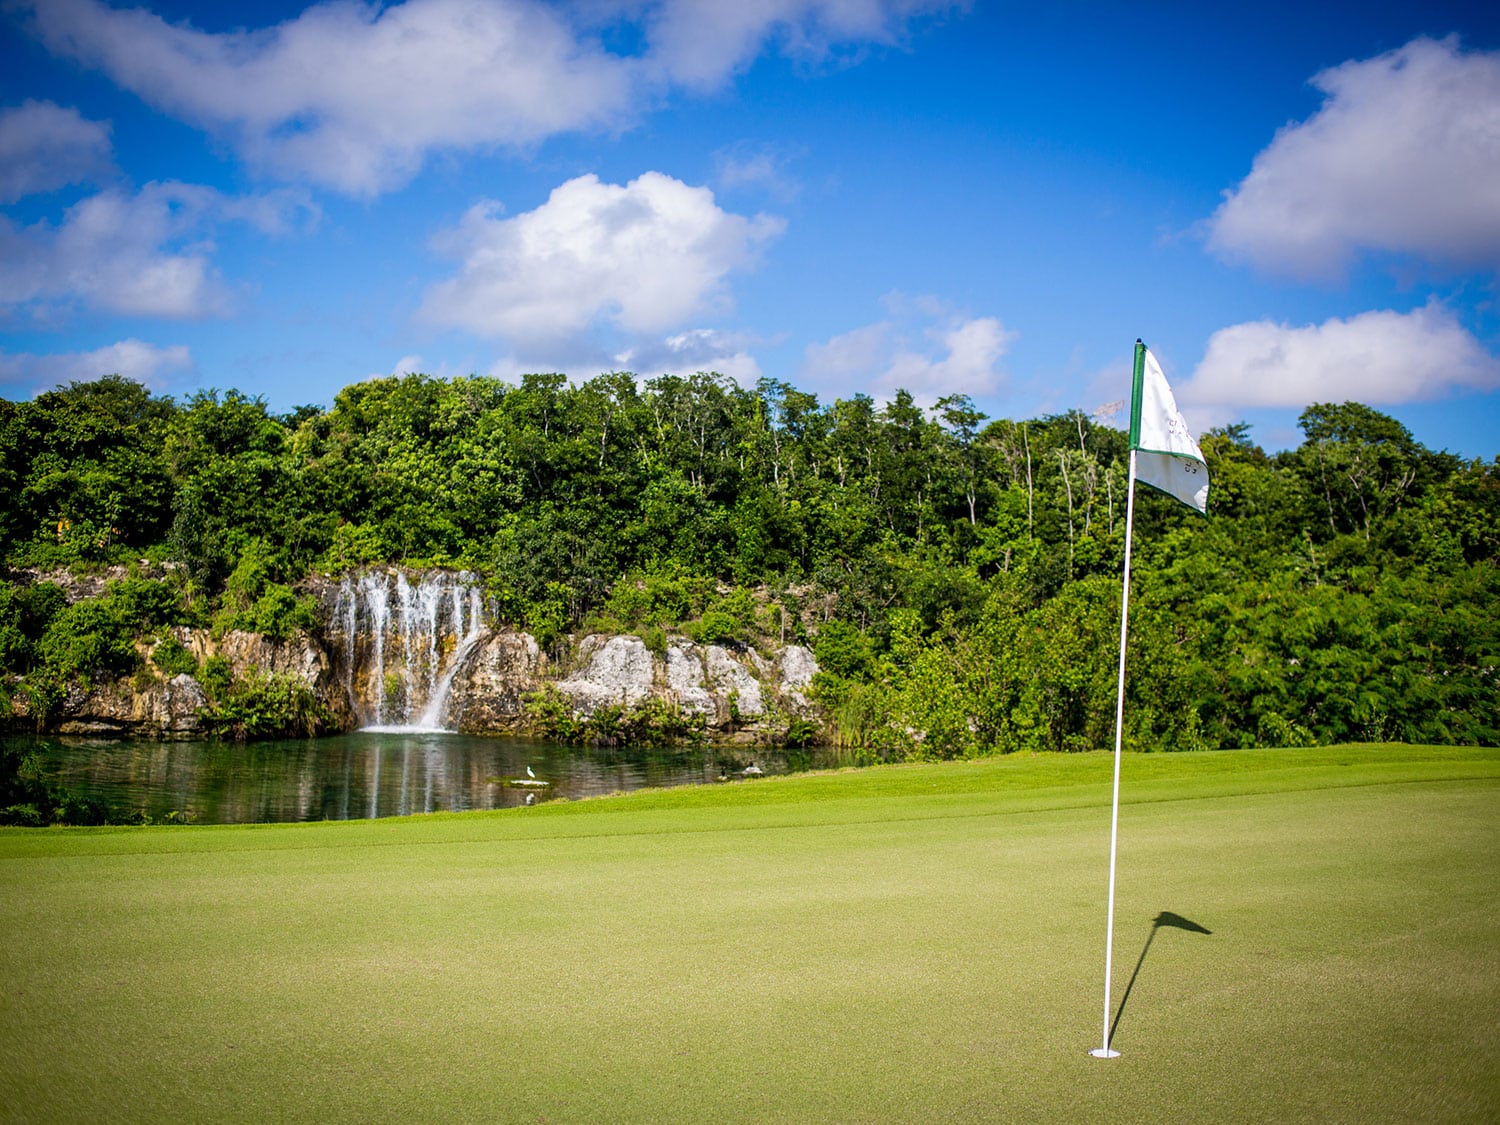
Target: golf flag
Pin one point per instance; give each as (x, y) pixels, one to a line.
(1168, 459)
(1164, 455)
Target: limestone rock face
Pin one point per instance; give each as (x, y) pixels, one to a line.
(164, 709)
(151, 707)
(730, 688)
(616, 671)
(301, 657)
(797, 666)
(489, 692)
(685, 681)
(732, 678)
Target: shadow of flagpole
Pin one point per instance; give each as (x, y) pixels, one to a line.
(1165, 918)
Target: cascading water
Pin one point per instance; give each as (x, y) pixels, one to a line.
(402, 641)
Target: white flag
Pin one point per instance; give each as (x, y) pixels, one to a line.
(1167, 456)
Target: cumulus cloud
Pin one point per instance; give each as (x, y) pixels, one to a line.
(44, 146)
(857, 355)
(111, 251)
(146, 254)
(699, 45)
(1382, 357)
(406, 365)
(699, 349)
(355, 95)
(133, 359)
(955, 355)
(414, 364)
(1403, 156)
(640, 258)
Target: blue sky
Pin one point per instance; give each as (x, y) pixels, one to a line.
(1289, 203)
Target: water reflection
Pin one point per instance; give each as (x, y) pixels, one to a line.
(357, 775)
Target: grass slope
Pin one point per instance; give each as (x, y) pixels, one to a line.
(905, 943)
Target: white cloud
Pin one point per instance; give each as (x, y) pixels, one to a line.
(762, 167)
(1383, 358)
(133, 359)
(146, 254)
(687, 353)
(355, 95)
(856, 355)
(1403, 156)
(642, 258)
(406, 365)
(414, 364)
(957, 355)
(111, 251)
(44, 146)
(968, 362)
(699, 45)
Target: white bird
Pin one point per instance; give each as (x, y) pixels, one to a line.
(529, 773)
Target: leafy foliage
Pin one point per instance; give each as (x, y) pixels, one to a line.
(264, 705)
(956, 576)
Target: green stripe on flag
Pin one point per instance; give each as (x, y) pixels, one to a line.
(1136, 383)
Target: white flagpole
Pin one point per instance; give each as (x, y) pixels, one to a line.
(1104, 1051)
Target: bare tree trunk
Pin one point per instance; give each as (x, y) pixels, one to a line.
(1027, 443)
(1062, 463)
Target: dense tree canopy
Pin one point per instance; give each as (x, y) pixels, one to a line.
(957, 576)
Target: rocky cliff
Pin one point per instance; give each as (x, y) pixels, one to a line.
(152, 705)
(730, 689)
(421, 649)
(727, 687)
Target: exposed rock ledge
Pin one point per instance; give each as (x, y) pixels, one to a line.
(725, 686)
(152, 706)
(730, 688)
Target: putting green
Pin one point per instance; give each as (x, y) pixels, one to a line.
(904, 943)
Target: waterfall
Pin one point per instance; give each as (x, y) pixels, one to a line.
(402, 640)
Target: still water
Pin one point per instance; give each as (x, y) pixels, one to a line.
(364, 774)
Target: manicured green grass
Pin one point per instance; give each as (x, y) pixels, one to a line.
(908, 943)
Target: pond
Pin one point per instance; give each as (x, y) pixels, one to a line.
(366, 774)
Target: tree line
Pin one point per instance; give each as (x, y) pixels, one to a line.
(956, 576)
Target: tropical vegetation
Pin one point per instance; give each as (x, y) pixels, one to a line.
(956, 576)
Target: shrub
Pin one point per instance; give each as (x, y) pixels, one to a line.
(173, 659)
(216, 678)
(801, 732)
(715, 628)
(655, 640)
(550, 715)
(355, 545)
(656, 722)
(144, 603)
(266, 705)
(25, 613)
(22, 816)
(279, 612)
(87, 639)
(842, 650)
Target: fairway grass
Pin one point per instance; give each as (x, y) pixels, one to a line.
(905, 943)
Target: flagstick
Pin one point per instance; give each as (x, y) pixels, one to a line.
(1104, 1051)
